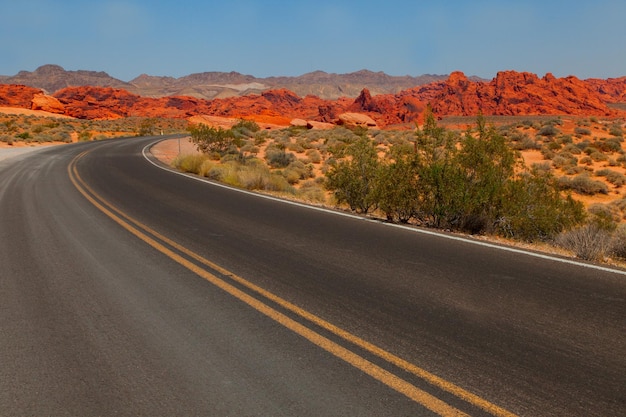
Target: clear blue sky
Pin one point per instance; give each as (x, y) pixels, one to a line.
(126, 38)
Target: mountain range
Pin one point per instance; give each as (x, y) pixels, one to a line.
(509, 93)
(210, 85)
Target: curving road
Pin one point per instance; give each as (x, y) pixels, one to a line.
(128, 290)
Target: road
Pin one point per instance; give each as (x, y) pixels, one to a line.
(129, 290)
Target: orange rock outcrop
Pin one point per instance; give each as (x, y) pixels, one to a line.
(518, 93)
(509, 93)
(47, 103)
(17, 95)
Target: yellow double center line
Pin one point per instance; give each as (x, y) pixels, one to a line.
(159, 242)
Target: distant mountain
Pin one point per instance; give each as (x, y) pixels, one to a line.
(52, 78)
(210, 85)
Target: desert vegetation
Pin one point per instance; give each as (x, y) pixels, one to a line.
(532, 179)
(32, 129)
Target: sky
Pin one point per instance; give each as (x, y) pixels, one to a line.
(127, 38)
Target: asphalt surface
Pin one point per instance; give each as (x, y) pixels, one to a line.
(95, 321)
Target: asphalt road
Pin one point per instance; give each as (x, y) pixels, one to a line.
(128, 290)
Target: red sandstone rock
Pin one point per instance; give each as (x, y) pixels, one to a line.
(509, 93)
(47, 103)
(356, 119)
(611, 90)
(17, 95)
(518, 93)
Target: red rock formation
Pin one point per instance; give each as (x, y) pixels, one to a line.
(518, 93)
(509, 93)
(611, 90)
(17, 95)
(47, 103)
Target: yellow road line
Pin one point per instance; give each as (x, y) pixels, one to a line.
(429, 401)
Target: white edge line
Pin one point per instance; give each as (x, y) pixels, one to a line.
(400, 226)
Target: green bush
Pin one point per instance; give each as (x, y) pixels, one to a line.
(210, 140)
(353, 181)
(398, 187)
(534, 209)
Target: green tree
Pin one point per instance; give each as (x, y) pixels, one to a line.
(353, 181)
(534, 209)
(439, 177)
(397, 185)
(486, 165)
(211, 140)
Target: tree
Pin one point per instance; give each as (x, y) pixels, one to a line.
(397, 188)
(486, 165)
(353, 181)
(439, 177)
(534, 209)
(211, 140)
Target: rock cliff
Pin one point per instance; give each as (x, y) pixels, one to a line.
(509, 93)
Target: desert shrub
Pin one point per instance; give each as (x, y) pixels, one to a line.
(617, 246)
(554, 146)
(549, 131)
(527, 143)
(608, 145)
(616, 130)
(583, 184)
(572, 149)
(564, 160)
(573, 170)
(253, 177)
(547, 153)
(312, 191)
(589, 149)
(277, 157)
(598, 156)
(541, 166)
(585, 160)
(589, 242)
(582, 131)
(566, 139)
(245, 128)
(189, 163)
(607, 216)
(616, 178)
(295, 147)
(278, 183)
(63, 137)
(314, 156)
(147, 127)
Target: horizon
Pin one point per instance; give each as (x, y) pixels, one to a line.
(294, 76)
(128, 38)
